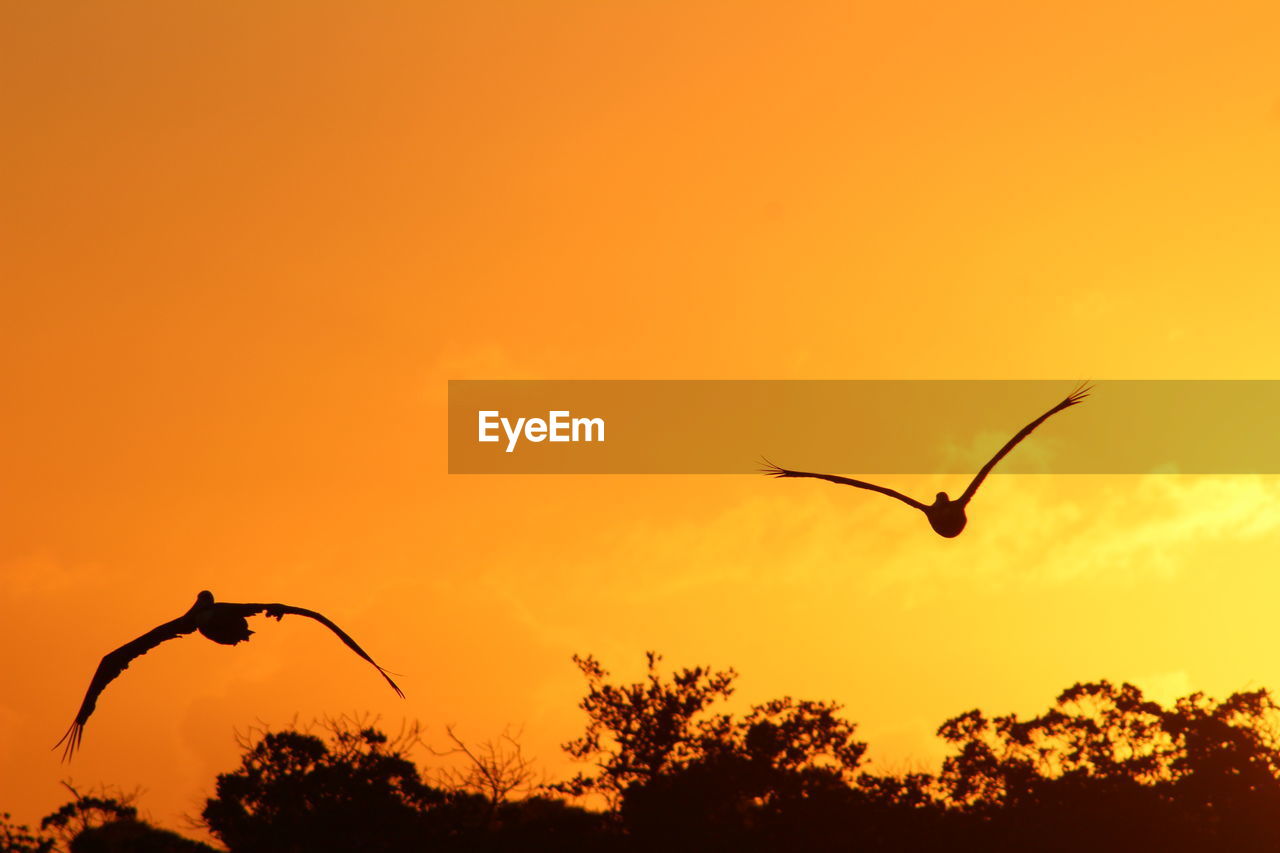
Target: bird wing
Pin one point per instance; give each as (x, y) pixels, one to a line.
(1072, 399)
(278, 611)
(774, 471)
(111, 666)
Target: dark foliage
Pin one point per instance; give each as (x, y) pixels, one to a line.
(1106, 769)
(85, 814)
(18, 838)
(682, 777)
(295, 791)
(134, 836)
(1103, 769)
(95, 823)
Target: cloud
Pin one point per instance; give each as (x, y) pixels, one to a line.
(1158, 526)
(1120, 531)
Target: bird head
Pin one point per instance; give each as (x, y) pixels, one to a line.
(204, 598)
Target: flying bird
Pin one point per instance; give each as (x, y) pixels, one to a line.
(223, 622)
(946, 516)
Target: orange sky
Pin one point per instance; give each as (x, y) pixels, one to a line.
(246, 244)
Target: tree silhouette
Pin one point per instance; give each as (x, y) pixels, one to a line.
(1105, 760)
(1104, 769)
(295, 791)
(86, 812)
(18, 838)
(134, 836)
(495, 769)
(637, 732)
(357, 789)
(95, 823)
(681, 776)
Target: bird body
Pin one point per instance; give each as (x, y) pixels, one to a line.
(221, 621)
(946, 515)
(223, 626)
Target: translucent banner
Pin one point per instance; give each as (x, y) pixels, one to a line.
(860, 426)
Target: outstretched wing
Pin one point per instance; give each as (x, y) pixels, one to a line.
(774, 471)
(279, 610)
(1072, 399)
(111, 666)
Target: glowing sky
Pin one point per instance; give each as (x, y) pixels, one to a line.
(246, 244)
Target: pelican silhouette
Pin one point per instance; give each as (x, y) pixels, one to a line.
(223, 622)
(946, 516)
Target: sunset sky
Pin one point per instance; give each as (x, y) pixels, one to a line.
(246, 245)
